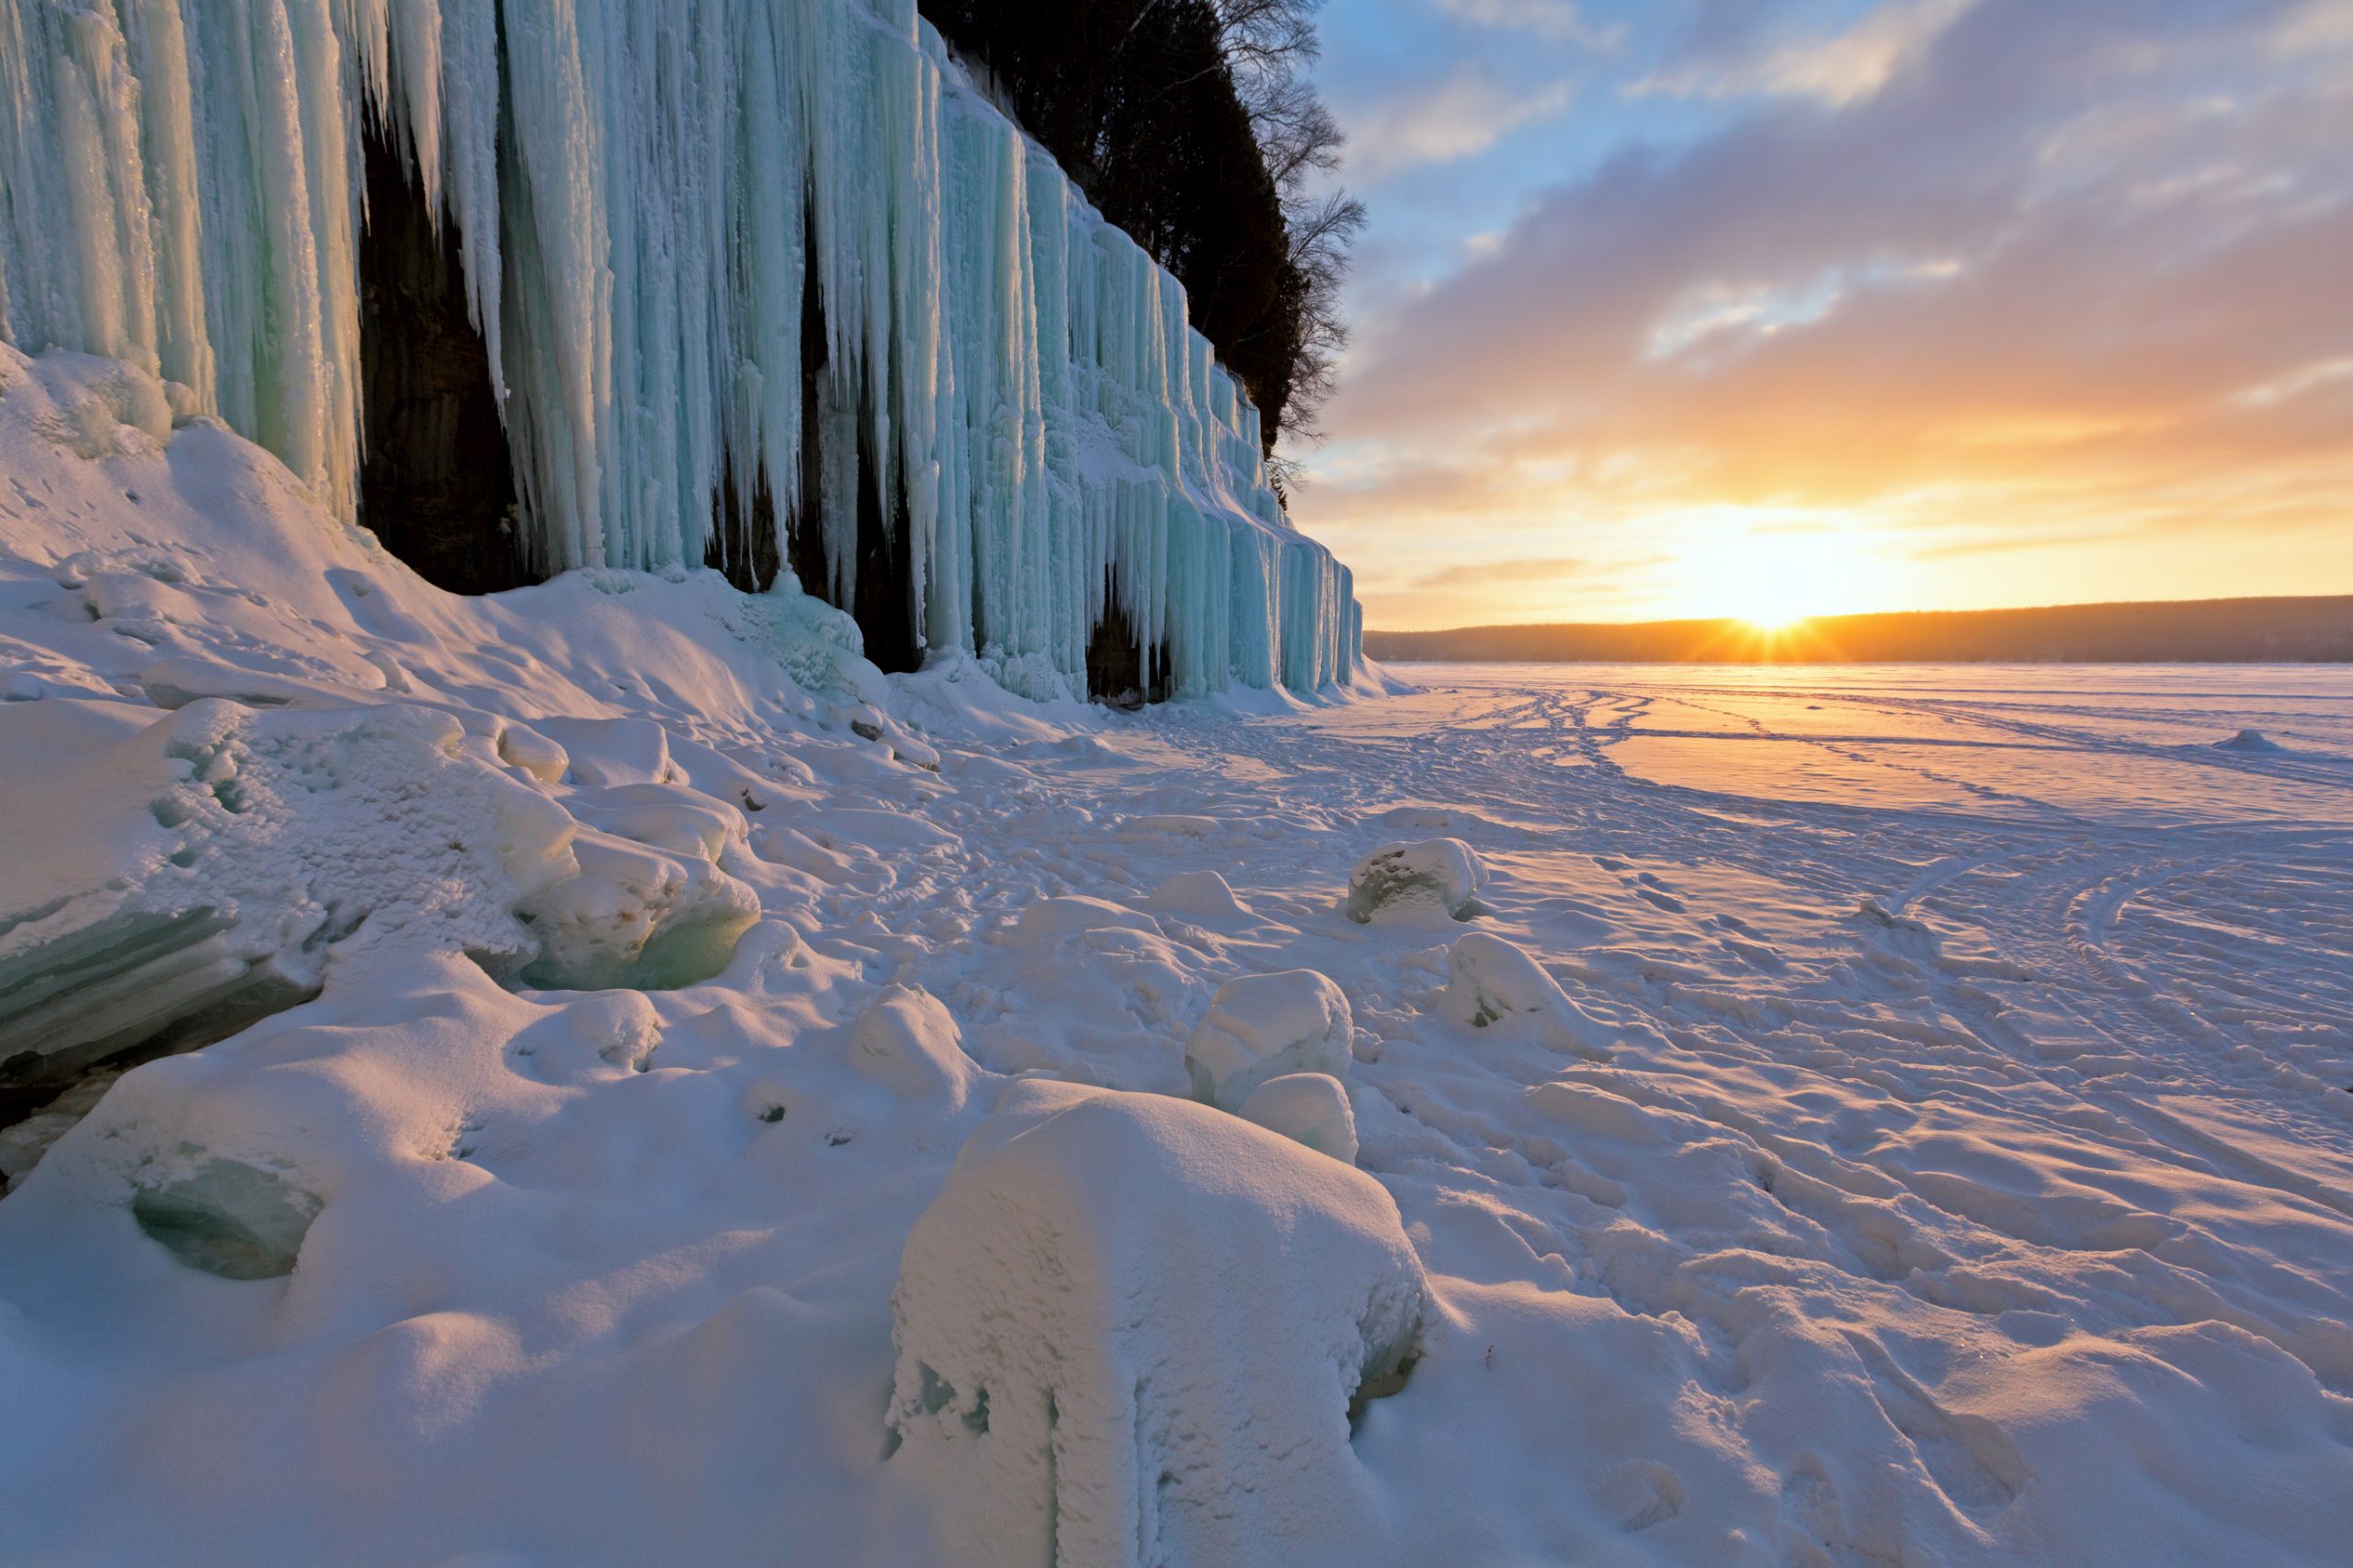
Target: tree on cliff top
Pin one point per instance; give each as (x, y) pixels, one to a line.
(1187, 124)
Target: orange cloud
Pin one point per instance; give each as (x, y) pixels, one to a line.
(2060, 308)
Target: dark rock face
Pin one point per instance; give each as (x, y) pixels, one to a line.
(437, 484)
(1116, 675)
(750, 544)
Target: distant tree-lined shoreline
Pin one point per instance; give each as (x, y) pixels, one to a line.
(2316, 629)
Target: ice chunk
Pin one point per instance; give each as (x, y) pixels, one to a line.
(908, 1041)
(1436, 876)
(166, 982)
(1070, 915)
(613, 751)
(637, 918)
(2249, 740)
(188, 874)
(521, 746)
(1128, 1330)
(1262, 1026)
(228, 1218)
(1307, 1107)
(1489, 981)
(1204, 895)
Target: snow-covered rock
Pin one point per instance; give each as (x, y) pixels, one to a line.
(1128, 1330)
(1436, 876)
(1491, 981)
(1306, 1108)
(1262, 1026)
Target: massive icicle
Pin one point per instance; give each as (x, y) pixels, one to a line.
(642, 187)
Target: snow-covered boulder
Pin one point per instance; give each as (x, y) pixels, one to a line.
(1310, 1108)
(1128, 1330)
(1489, 981)
(1262, 1026)
(1436, 876)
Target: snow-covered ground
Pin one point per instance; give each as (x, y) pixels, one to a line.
(1867, 1117)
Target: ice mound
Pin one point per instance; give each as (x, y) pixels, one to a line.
(1489, 981)
(1310, 1108)
(228, 1218)
(1263, 1026)
(1435, 876)
(2249, 740)
(1128, 1330)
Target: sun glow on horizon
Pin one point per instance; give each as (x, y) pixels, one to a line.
(1774, 571)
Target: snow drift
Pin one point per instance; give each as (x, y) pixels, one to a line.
(654, 202)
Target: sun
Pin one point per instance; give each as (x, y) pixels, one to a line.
(1772, 573)
(1772, 620)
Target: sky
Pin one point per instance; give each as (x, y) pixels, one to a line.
(1773, 308)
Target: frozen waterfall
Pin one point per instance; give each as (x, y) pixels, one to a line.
(642, 189)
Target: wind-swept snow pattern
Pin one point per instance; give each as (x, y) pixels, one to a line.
(649, 195)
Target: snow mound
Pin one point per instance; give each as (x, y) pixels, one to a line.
(2249, 740)
(908, 1042)
(1075, 914)
(1128, 1330)
(1491, 981)
(1204, 895)
(1434, 876)
(1310, 1108)
(1263, 1026)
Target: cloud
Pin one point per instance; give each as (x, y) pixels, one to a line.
(1473, 573)
(2074, 273)
(2294, 384)
(1465, 114)
(1560, 20)
(1837, 69)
